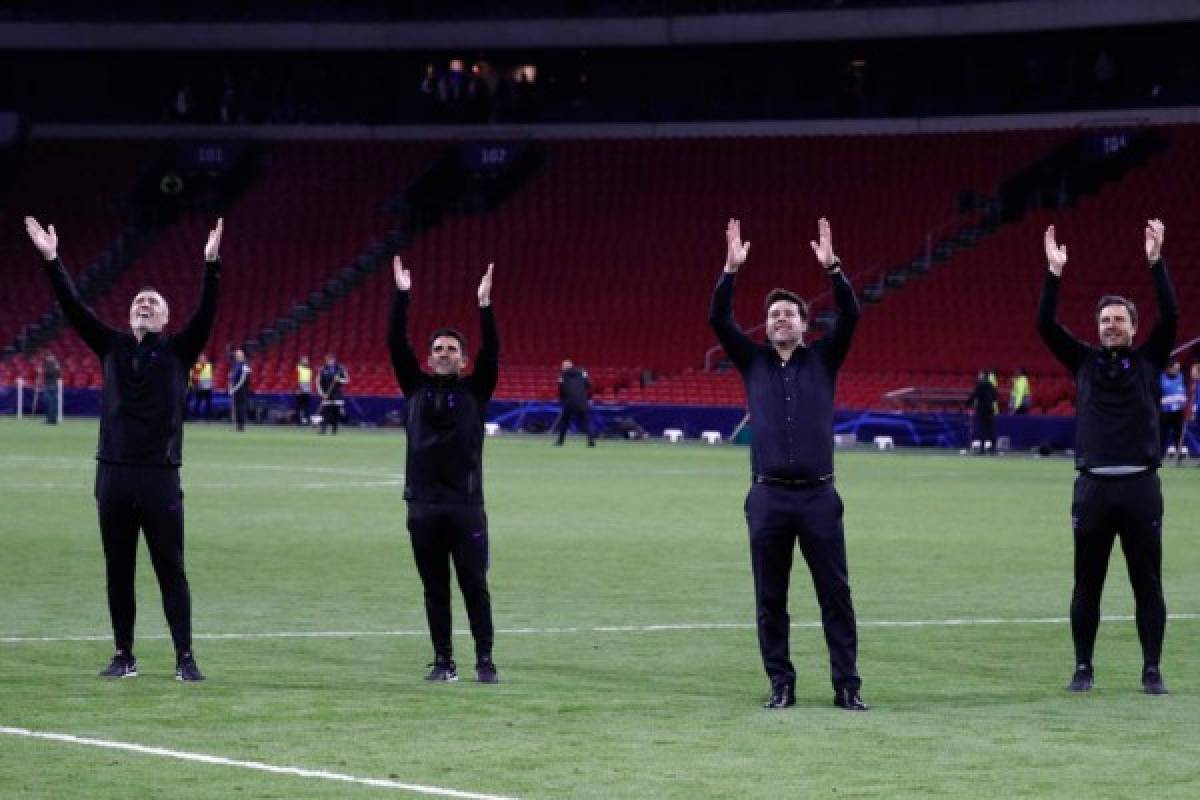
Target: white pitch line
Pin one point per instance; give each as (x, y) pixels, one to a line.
(203, 758)
(91, 462)
(682, 626)
(192, 486)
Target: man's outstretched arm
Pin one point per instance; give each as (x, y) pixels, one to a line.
(191, 340)
(838, 344)
(404, 359)
(1162, 335)
(737, 344)
(487, 362)
(1065, 347)
(94, 333)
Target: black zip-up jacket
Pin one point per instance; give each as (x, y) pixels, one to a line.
(1117, 388)
(791, 403)
(145, 383)
(574, 387)
(445, 414)
(982, 398)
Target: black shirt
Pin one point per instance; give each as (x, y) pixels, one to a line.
(791, 403)
(574, 387)
(145, 383)
(1117, 388)
(445, 414)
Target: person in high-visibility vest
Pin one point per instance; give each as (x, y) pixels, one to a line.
(1019, 397)
(304, 377)
(202, 380)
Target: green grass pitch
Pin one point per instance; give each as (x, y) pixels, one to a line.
(290, 533)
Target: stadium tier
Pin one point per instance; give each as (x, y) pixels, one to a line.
(608, 254)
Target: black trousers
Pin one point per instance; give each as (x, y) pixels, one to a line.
(582, 415)
(1171, 425)
(331, 413)
(1102, 509)
(985, 429)
(303, 399)
(149, 499)
(442, 533)
(51, 395)
(241, 403)
(778, 518)
(203, 404)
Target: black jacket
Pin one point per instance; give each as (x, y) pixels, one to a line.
(983, 398)
(145, 383)
(445, 414)
(574, 387)
(1117, 389)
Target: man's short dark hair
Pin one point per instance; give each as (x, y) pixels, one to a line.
(775, 295)
(454, 332)
(1117, 300)
(147, 289)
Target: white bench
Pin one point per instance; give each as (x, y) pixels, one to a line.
(885, 443)
(672, 434)
(712, 437)
(491, 428)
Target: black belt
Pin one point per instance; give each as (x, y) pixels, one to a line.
(805, 483)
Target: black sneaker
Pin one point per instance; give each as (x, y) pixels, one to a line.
(849, 700)
(485, 671)
(186, 669)
(1083, 679)
(1152, 681)
(123, 665)
(783, 695)
(443, 670)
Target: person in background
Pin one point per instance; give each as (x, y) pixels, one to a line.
(51, 391)
(1172, 407)
(574, 393)
(983, 400)
(304, 386)
(1020, 396)
(331, 383)
(202, 379)
(239, 388)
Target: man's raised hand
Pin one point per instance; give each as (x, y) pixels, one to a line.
(1056, 254)
(737, 250)
(1155, 233)
(45, 240)
(403, 278)
(212, 248)
(823, 247)
(485, 288)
